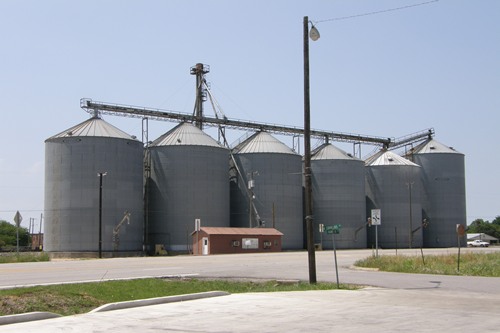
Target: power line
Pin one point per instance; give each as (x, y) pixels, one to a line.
(376, 12)
(21, 210)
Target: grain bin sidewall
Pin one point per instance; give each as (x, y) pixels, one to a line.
(389, 191)
(279, 182)
(443, 179)
(190, 182)
(72, 193)
(339, 198)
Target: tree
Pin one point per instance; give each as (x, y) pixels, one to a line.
(485, 227)
(8, 235)
(496, 221)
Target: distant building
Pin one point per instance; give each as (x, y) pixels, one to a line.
(214, 240)
(36, 242)
(482, 236)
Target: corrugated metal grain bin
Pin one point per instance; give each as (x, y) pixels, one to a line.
(189, 180)
(338, 185)
(444, 205)
(73, 159)
(394, 187)
(268, 192)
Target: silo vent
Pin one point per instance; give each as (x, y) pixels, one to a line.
(432, 147)
(390, 159)
(70, 133)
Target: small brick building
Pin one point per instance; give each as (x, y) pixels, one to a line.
(214, 240)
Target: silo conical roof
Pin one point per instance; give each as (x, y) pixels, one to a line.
(93, 127)
(263, 142)
(432, 146)
(388, 158)
(185, 134)
(328, 151)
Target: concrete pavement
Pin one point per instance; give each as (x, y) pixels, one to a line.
(373, 309)
(401, 302)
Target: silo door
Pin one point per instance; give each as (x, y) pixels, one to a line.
(205, 246)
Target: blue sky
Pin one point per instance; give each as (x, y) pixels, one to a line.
(389, 74)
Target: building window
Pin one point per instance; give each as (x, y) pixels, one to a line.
(267, 244)
(236, 243)
(250, 243)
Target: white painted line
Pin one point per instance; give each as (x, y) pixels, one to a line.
(169, 276)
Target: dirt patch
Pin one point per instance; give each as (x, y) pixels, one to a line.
(46, 303)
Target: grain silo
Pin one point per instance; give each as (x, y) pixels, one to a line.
(338, 185)
(189, 181)
(267, 192)
(73, 160)
(394, 187)
(443, 180)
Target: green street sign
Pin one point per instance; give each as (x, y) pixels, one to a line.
(333, 229)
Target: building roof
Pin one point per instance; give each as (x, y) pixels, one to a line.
(433, 146)
(241, 231)
(481, 236)
(328, 151)
(263, 142)
(388, 158)
(185, 134)
(94, 127)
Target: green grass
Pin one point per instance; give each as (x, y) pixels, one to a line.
(472, 264)
(8, 258)
(69, 299)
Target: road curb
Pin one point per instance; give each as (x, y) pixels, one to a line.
(29, 316)
(359, 268)
(158, 300)
(32, 316)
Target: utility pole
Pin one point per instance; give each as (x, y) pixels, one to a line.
(100, 174)
(410, 237)
(32, 225)
(40, 243)
(307, 159)
(18, 219)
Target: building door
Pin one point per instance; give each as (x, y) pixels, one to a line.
(205, 246)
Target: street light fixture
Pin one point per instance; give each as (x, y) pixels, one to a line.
(314, 35)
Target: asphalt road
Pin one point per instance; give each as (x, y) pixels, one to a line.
(284, 265)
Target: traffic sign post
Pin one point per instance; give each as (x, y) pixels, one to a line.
(376, 221)
(321, 231)
(197, 227)
(334, 230)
